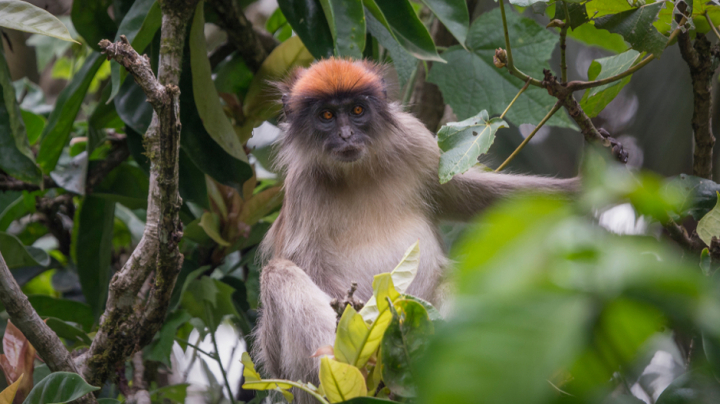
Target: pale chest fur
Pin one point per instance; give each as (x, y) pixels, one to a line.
(354, 235)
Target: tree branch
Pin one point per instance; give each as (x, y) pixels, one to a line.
(26, 319)
(130, 321)
(240, 33)
(701, 57)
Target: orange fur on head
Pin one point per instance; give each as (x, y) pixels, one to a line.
(334, 76)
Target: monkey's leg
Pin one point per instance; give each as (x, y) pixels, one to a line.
(295, 321)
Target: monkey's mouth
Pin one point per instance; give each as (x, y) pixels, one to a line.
(348, 153)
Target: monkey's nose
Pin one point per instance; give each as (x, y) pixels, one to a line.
(345, 134)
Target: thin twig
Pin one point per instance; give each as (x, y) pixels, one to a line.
(522, 90)
(195, 347)
(563, 44)
(294, 384)
(510, 65)
(552, 112)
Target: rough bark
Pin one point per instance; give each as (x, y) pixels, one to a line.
(701, 57)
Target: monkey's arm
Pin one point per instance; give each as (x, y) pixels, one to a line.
(296, 319)
(469, 193)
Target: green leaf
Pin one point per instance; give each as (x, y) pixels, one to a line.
(600, 8)
(346, 19)
(92, 249)
(253, 380)
(16, 158)
(92, 22)
(341, 381)
(463, 142)
(700, 195)
(590, 35)
(665, 25)
(210, 222)
(139, 26)
(12, 207)
(470, 82)
(404, 343)
(7, 395)
(34, 125)
(67, 331)
(63, 309)
(161, 347)
(210, 300)
(709, 226)
(403, 62)
(60, 123)
(355, 342)
(207, 101)
(17, 255)
(636, 26)
(577, 14)
(596, 99)
(23, 16)
(58, 388)
(176, 393)
(453, 14)
(197, 143)
(308, 21)
(400, 19)
(127, 184)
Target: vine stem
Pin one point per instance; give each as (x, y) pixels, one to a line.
(714, 28)
(294, 384)
(522, 90)
(510, 65)
(197, 348)
(217, 356)
(552, 112)
(563, 44)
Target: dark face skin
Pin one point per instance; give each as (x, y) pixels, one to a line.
(343, 125)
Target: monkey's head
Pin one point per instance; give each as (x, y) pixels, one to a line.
(336, 109)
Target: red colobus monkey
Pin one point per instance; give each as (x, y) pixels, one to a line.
(361, 186)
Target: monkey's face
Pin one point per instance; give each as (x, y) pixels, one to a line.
(342, 126)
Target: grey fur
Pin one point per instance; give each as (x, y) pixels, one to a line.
(348, 221)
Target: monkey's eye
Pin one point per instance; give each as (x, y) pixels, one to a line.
(326, 115)
(357, 110)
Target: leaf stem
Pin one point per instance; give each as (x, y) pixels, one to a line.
(714, 28)
(195, 347)
(581, 85)
(527, 83)
(294, 384)
(510, 65)
(217, 354)
(552, 112)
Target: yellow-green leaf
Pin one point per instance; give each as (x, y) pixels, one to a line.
(341, 381)
(402, 276)
(709, 225)
(253, 380)
(206, 97)
(355, 342)
(23, 16)
(210, 222)
(8, 395)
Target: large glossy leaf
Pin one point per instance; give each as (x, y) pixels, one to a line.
(67, 310)
(60, 123)
(308, 20)
(400, 19)
(253, 380)
(596, 99)
(91, 20)
(127, 184)
(354, 343)
(16, 158)
(23, 16)
(636, 26)
(403, 62)
(17, 255)
(341, 381)
(403, 345)
(463, 142)
(58, 388)
(68, 331)
(590, 35)
(92, 249)
(202, 149)
(470, 82)
(207, 100)
(453, 14)
(17, 360)
(139, 27)
(346, 19)
(402, 276)
(700, 194)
